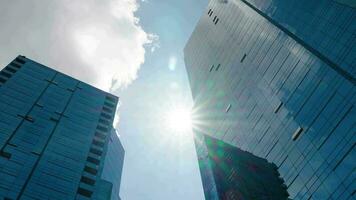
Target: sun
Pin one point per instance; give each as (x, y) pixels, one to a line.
(179, 119)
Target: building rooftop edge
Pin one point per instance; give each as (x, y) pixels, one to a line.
(113, 95)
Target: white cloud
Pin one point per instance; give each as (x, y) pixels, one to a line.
(99, 42)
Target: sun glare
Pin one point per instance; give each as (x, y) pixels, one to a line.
(179, 119)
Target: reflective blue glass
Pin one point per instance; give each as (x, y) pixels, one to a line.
(49, 128)
(288, 72)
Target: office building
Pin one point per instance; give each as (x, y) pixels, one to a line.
(114, 162)
(277, 78)
(229, 173)
(54, 134)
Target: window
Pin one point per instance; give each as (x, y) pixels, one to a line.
(90, 170)
(98, 143)
(102, 128)
(297, 133)
(12, 70)
(109, 104)
(54, 119)
(217, 68)
(6, 74)
(105, 115)
(111, 99)
(211, 13)
(216, 21)
(5, 154)
(228, 108)
(20, 60)
(278, 107)
(2, 80)
(107, 109)
(93, 160)
(84, 192)
(87, 180)
(100, 135)
(211, 68)
(243, 58)
(103, 121)
(27, 117)
(95, 151)
(16, 65)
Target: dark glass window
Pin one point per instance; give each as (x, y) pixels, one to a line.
(96, 151)
(105, 115)
(16, 65)
(109, 104)
(102, 128)
(107, 109)
(228, 108)
(278, 107)
(5, 154)
(12, 70)
(87, 180)
(93, 160)
(103, 121)
(90, 170)
(243, 58)
(100, 135)
(2, 80)
(6, 74)
(111, 99)
(29, 118)
(84, 192)
(217, 68)
(98, 143)
(54, 119)
(20, 60)
(297, 133)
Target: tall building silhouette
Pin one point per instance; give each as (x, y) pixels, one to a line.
(54, 134)
(277, 78)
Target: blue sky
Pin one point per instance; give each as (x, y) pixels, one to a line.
(135, 49)
(160, 163)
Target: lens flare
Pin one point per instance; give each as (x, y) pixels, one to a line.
(179, 119)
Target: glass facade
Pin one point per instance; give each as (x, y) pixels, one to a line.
(54, 134)
(229, 173)
(277, 79)
(114, 162)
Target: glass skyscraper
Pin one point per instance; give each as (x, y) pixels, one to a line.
(277, 78)
(114, 162)
(229, 173)
(54, 134)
